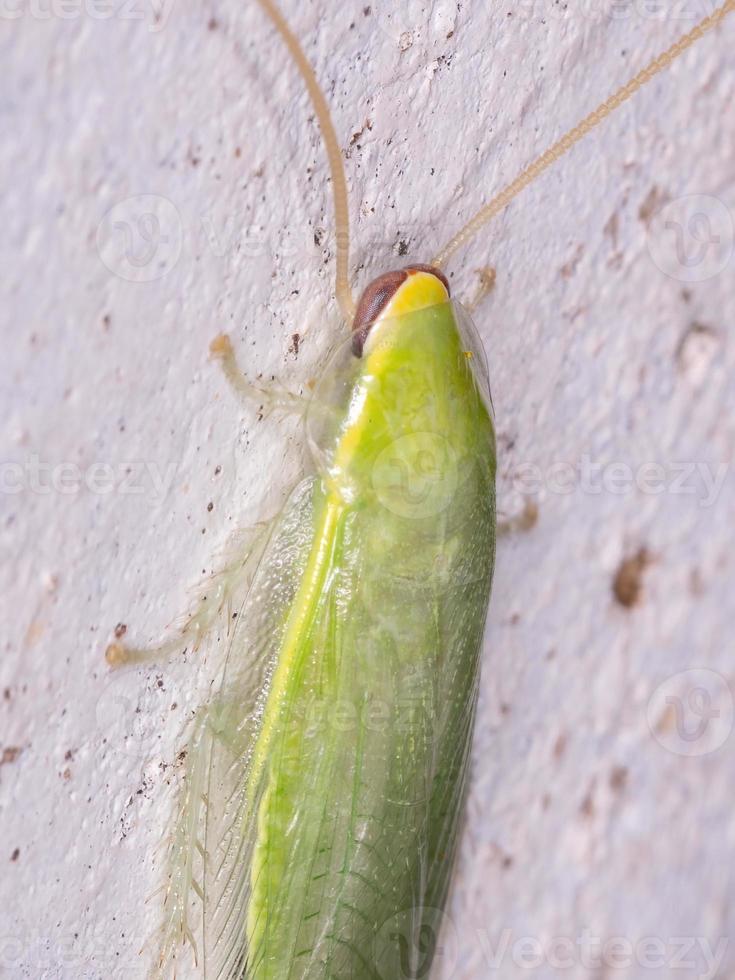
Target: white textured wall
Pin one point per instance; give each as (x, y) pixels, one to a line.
(598, 808)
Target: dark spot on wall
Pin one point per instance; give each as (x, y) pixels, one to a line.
(618, 778)
(210, 506)
(587, 806)
(628, 581)
(501, 856)
(120, 630)
(403, 248)
(295, 343)
(560, 746)
(696, 585)
(213, 24)
(10, 754)
(570, 266)
(356, 136)
(654, 201)
(611, 228)
(15, 855)
(529, 516)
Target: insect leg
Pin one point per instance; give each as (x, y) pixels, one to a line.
(267, 398)
(217, 595)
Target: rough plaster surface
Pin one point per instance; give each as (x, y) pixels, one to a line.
(601, 803)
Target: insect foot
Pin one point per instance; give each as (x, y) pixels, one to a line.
(526, 520)
(487, 276)
(221, 346)
(116, 655)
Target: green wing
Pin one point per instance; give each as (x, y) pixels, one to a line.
(233, 722)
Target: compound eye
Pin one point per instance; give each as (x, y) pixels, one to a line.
(372, 303)
(378, 296)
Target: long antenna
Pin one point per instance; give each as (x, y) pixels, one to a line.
(500, 201)
(339, 184)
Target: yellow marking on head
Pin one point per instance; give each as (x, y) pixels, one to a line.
(421, 289)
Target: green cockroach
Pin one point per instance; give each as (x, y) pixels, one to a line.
(320, 810)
